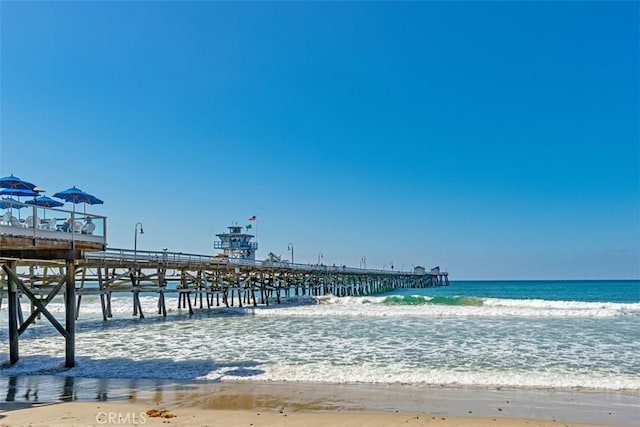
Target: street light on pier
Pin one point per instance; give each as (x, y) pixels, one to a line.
(290, 248)
(135, 239)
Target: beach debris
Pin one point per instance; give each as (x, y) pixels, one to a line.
(160, 413)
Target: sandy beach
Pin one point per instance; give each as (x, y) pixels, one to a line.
(99, 414)
(90, 402)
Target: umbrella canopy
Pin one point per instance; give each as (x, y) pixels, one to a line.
(15, 183)
(45, 201)
(9, 203)
(76, 195)
(20, 192)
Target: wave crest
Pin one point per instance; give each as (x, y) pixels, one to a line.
(419, 300)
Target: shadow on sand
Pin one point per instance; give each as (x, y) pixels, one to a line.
(54, 383)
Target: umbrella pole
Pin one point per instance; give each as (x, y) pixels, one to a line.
(73, 227)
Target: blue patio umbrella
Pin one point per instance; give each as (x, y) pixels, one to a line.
(46, 202)
(9, 203)
(15, 183)
(19, 192)
(76, 195)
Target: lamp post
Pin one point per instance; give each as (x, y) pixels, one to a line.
(135, 239)
(290, 248)
(320, 256)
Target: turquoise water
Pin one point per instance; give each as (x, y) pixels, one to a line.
(619, 291)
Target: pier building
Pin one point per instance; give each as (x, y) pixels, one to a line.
(236, 245)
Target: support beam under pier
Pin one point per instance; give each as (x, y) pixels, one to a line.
(70, 315)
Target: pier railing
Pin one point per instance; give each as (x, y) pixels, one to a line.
(154, 257)
(235, 245)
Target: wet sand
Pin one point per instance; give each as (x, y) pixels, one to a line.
(95, 414)
(60, 401)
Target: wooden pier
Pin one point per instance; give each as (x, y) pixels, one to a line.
(204, 281)
(41, 264)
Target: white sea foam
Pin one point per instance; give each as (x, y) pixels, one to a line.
(325, 372)
(376, 306)
(366, 373)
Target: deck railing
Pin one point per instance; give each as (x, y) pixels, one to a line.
(236, 245)
(39, 222)
(144, 256)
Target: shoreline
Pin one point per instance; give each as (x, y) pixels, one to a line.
(30, 397)
(94, 414)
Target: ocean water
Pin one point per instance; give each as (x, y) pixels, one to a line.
(539, 334)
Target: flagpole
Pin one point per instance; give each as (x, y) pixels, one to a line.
(253, 218)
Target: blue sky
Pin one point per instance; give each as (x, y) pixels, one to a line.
(497, 140)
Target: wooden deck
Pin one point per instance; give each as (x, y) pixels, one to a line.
(33, 242)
